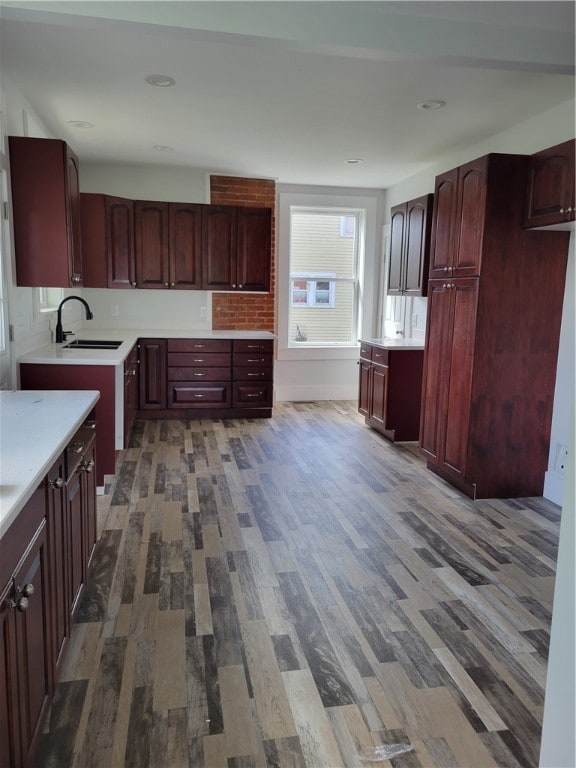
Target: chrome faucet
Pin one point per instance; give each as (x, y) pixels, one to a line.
(60, 334)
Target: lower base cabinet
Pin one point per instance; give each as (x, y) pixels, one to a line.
(389, 391)
(214, 378)
(44, 559)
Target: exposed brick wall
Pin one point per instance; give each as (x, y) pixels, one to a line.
(245, 311)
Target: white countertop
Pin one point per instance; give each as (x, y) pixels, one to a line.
(56, 354)
(396, 343)
(35, 427)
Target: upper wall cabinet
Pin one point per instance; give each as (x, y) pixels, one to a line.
(410, 247)
(107, 241)
(46, 209)
(550, 187)
(167, 243)
(236, 243)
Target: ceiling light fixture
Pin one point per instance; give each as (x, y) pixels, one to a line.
(163, 81)
(434, 104)
(354, 160)
(162, 147)
(80, 124)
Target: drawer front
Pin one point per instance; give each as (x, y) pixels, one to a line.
(199, 374)
(365, 351)
(252, 358)
(201, 359)
(253, 373)
(380, 355)
(254, 345)
(189, 394)
(199, 345)
(252, 395)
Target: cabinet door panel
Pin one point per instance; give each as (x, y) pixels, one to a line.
(443, 223)
(364, 386)
(59, 554)
(550, 188)
(397, 223)
(76, 536)
(464, 299)
(10, 753)
(219, 247)
(151, 244)
(120, 242)
(253, 249)
(470, 218)
(73, 206)
(379, 385)
(152, 373)
(436, 363)
(416, 246)
(185, 245)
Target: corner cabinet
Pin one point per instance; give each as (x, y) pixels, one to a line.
(46, 209)
(490, 358)
(389, 391)
(410, 225)
(550, 192)
(107, 241)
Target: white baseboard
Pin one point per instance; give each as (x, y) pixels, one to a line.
(554, 487)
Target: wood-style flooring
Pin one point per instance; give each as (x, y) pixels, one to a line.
(299, 592)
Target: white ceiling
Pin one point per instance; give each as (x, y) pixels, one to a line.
(287, 90)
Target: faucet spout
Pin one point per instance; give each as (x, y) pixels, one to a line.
(60, 334)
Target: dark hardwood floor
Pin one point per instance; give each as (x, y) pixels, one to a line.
(300, 592)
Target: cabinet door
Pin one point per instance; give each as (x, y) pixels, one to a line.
(378, 395)
(59, 554)
(10, 752)
(73, 208)
(550, 187)
(444, 223)
(151, 244)
(152, 377)
(417, 246)
(88, 491)
(395, 262)
(364, 386)
(185, 245)
(120, 263)
(219, 228)
(253, 249)
(470, 219)
(436, 369)
(130, 392)
(33, 650)
(76, 535)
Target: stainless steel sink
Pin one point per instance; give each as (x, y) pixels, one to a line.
(92, 344)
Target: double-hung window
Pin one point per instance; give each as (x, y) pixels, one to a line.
(325, 250)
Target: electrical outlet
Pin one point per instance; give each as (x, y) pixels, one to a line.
(561, 458)
(204, 312)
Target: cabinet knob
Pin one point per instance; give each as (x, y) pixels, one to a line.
(446, 269)
(166, 284)
(57, 483)
(561, 210)
(22, 594)
(233, 285)
(88, 466)
(241, 285)
(172, 284)
(134, 284)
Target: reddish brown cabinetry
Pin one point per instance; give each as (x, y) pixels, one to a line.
(107, 241)
(492, 333)
(152, 374)
(390, 383)
(410, 225)
(199, 373)
(46, 209)
(236, 248)
(550, 194)
(130, 392)
(168, 243)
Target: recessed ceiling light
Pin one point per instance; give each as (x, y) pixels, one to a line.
(434, 104)
(80, 124)
(163, 81)
(163, 147)
(354, 160)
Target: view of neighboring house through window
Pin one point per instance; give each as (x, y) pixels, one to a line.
(324, 291)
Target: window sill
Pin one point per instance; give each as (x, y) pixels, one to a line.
(340, 352)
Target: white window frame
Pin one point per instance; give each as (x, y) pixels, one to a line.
(312, 279)
(360, 200)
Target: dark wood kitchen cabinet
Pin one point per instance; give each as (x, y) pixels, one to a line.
(168, 245)
(46, 209)
(236, 248)
(152, 374)
(199, 373)
(131, 384)
(26, 677)
(492, 333)
(389, 391)
(550, 192)
(410, 227)
(107, 241)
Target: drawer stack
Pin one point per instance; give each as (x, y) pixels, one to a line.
(252, 373)
(199, 373)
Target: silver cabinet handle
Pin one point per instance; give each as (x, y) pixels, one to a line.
(199, 374)
(57, 483)
(22, 594)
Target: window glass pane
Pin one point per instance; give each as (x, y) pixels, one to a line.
(322, 324)
(316, 244)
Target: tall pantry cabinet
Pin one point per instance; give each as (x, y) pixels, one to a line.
(494, 309)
